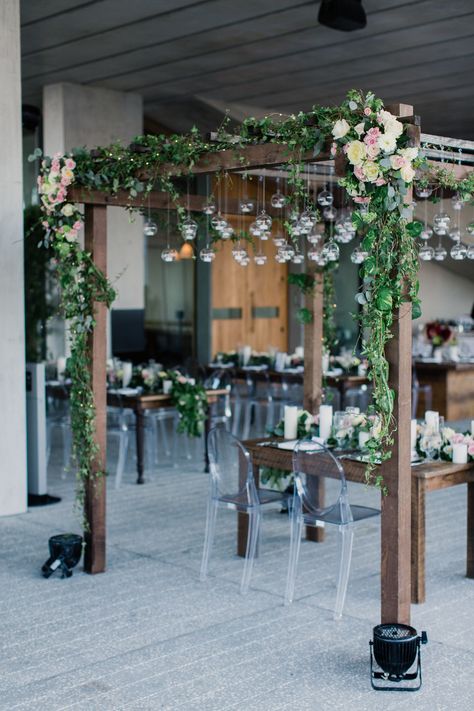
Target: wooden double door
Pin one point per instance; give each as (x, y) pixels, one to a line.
(249, 304)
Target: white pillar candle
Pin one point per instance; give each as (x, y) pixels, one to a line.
(413, 433)
(363, 439)
(61, 366)
(126, 373)
(459, 453)
(432, 419)
(325, 421)
(299, 352)
(325, 362)
(246, 353)
(167, 385)
(291, 422)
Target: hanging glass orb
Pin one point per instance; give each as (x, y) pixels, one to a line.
(330, 251)
(207, 255)
(294, 215)
(470, 228)
(287, 251)
(313, 237)
(307, 219)
(441, 223)
(278, 240)
(297, 229)
(227, 232)
(244, 262)
(470, 252)
(455, 234)
(218, 222)
(358, 255)
(325, 198)
(239, 253)
(330, 213)
(298, 258)
(423, 191)
(260, 259)
(150, 228)
(264, 221)
(280, 258)
(255, 229)
(314, 253)
(209, 207)
(246, 205)
(456, 202)
(458, 251)
(426, 233)
(278, 200)
(189, 228)
(169, 255)
(440, 253)
(426, 253)
(264, 235)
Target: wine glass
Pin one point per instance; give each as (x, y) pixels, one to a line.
(338, 425)
(430, 444)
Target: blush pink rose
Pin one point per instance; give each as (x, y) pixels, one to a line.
(77, 225)
(372, 151)
(371, 138)
(61, 196)
(333, 149)
(458, 438)
(55, 167)
(380, 181)
(367, 111)
(397, 162)
(470, 449)
(362, 200)
(359, 173)
(70, 163)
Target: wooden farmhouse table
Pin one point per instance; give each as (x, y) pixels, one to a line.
(140, 405)
(452, 385)
(425, 478)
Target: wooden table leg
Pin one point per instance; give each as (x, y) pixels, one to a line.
(315, 485)
(140, 440)
(418, 592)
(470, 530)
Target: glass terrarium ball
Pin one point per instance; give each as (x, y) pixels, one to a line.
(440, 253)
(459, 251)
(260, 259)
(426, 253)
(307, 219)
(218, 222)
(298, 258)
(358, 256)
(456, 202)
(209, 207)
(280, 258)
(423, 191)
(470, 252)
(441, 223)
(264, 221)
(278, 240)
(455, 234)
(278, 200)
(264, 235)
(169, 255)
(189, 228)
(207, 255)
(330, 213)
(470, 228)
(239, 253)
(331, 251)
(313, 237)
(150, 228)
(325, 198)
(287, 251)
(255, 229)
(426, 233)
(294, 215)
(244, 262)
(246, 206)
(314, 254)
(227, 232)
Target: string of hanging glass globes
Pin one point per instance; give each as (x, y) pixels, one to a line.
(443, 227)
(295, 232)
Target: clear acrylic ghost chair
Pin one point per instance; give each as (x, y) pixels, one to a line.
(232, 486)
(58, 418)
(360, 397)
(313, 464)
(289, 391)
(254, 404)
(220, 411)
(118, 428)
(425, 390)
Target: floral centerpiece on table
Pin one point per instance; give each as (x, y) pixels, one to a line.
(438, 334)
(148, 379)
(227, 357)
(296, 361)
(346, 434)
(261, 358)
(306, 424)
(440, 443)
(190, 399)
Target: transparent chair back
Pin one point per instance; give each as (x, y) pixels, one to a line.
(220, 410)
(360, 397)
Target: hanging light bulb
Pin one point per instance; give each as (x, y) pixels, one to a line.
(186, 251)
(426, 253)
(278, 199)
(459, 251)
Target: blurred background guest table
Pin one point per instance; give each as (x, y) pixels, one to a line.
(452, 387)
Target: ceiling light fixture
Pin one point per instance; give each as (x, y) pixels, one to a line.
(345, 15)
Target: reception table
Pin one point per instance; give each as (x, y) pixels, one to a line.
(453, 388)
(425, 478)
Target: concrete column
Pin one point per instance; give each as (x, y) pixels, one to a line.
(75, 116)
(12, 342)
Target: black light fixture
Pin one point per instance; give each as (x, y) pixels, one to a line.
(345, 15)
(65, 552)
(396, 648)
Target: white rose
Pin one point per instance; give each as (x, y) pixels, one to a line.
(356, 152)
(371, 171)
(407, 172)
(387, 142)
(67, 210)
(394, 128)
(385, 116)
(410, 153)
(359, 129)
(340, 128)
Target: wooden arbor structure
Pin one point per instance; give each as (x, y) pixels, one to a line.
(396, 505)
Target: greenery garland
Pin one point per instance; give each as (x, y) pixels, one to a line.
(380, 166)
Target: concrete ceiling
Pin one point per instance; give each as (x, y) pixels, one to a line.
(190, 59)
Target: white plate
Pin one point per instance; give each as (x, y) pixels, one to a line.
(290, 444)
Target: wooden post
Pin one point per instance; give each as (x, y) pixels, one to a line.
(396, 506)
(313, 347)
(94, 505)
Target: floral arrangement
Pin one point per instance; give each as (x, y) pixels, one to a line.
(438, 334)
(190, 400)
(346, 435)
(347, 360)
(227, 357)
(259, 359)
(441, 442)
(306, 424)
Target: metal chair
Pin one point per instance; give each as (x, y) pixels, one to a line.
(232, 486)
(312, 465)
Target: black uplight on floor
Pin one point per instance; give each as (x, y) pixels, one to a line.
(65, 552)
(396, 649)
(345, 15)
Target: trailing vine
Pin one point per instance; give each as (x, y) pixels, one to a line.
(380, 165)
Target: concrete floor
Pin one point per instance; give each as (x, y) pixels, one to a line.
(148, 635)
